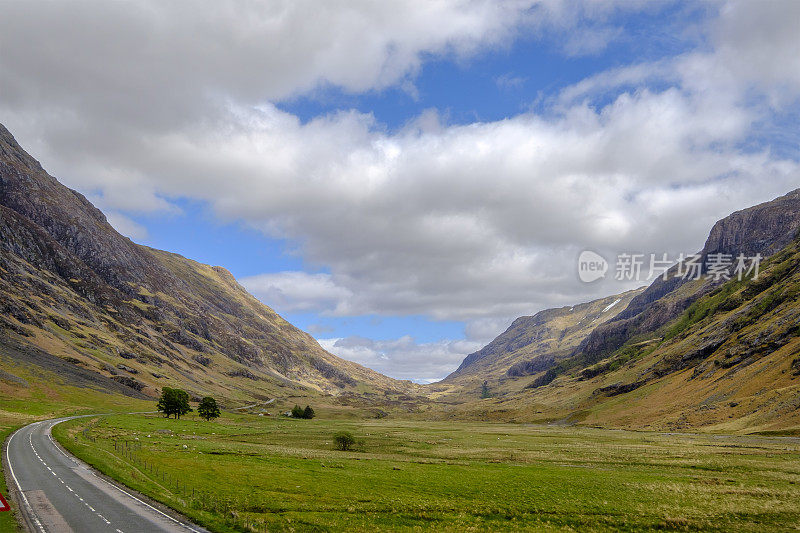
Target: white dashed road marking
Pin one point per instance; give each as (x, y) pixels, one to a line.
(37, 523)
(36, 453)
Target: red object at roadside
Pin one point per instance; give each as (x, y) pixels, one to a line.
(4, 504)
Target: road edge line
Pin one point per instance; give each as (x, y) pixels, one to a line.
(26, 511)
(111, 481)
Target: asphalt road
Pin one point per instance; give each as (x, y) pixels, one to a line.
(59, 493)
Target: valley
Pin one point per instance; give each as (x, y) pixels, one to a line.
(249, 473)
(672, 406)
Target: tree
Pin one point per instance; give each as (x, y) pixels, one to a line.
(308, 413)
(208, 408)
(344, 440)
(297, 412)
(173, 402)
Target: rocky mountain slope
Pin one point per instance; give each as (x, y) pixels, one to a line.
(688, 353)
(76, 295)
(531, 345)
(763, 229)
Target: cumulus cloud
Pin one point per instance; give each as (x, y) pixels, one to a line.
(298, 291)
(755, 43)
(140, 103)
(403, 358)
(153, 63)
(747, 52)
(470, 221)
(126, 226)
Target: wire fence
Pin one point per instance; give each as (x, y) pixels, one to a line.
(141, 459)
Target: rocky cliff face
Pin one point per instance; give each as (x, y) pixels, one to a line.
(74, 287)
(765, 228)
(683, 353)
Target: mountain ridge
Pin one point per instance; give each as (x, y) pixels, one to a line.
(686, 353)
(77, 289)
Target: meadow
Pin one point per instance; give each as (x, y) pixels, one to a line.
(254, 473)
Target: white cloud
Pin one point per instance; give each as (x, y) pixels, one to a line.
(590, 41)
(482, 222)
(473, 221)
(748, 52)
(403, 358)
(97, 54)
(293, 291)
(126, 226)
(510, 82)
(756, 43)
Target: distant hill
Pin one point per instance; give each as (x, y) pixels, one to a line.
(82, 301)
(686, 353)
(533, 344)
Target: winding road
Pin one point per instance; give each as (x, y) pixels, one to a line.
(58, 493)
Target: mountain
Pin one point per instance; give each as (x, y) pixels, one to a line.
(687, 353)
(533, 344)
(80, 300)
(763, 229)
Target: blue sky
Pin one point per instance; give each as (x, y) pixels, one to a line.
(503, 82)
(401, 179)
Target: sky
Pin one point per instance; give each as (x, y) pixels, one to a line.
(402, 179)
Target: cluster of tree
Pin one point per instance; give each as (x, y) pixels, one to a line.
(176, 402)
(299, 412)
(173, 402)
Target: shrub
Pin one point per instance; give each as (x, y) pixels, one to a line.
(344, 441)
(298, 412)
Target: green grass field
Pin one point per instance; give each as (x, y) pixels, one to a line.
(248, 473)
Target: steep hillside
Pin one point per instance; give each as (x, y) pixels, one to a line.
(75, 292)
(531, 345)
(763, 229)
(717, 355)
(535, 350)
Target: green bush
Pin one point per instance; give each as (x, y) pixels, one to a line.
(344, 441)
(307, 413)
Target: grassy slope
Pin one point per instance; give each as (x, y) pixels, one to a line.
(748, 379)
(729, 363)
(72, 286)
(247, 473)
(8, 520)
